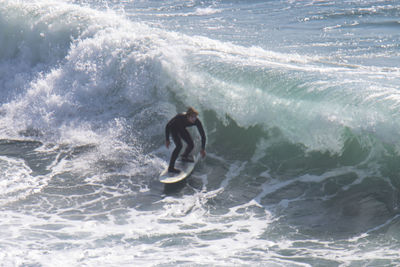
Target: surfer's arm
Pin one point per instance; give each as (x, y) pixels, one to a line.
(200, 128)
(167, 131)
(171, 125)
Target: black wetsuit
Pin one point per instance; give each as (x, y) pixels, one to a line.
(177, 127)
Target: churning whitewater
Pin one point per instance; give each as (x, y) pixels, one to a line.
(299, 100)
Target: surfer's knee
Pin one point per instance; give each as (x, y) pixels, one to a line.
(190, 145)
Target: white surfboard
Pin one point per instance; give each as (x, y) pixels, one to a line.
(185, 167)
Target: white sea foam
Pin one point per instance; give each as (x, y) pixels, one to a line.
(17, 180)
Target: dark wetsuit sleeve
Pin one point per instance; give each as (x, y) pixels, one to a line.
(168, 129)
(202, 133)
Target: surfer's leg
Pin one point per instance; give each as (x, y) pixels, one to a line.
(175, 153)
(189, 141)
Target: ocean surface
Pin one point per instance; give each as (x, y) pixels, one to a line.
(300, 101)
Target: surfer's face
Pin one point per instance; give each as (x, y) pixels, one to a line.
(192, 118)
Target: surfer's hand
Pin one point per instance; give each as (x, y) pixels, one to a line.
(167, 144)
(203, 153)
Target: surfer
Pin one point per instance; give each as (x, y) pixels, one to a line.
(177, 128)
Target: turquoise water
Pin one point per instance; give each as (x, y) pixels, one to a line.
(300, 104)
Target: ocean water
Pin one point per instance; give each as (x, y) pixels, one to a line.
(300, 101)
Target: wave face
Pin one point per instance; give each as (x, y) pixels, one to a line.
(301, 117)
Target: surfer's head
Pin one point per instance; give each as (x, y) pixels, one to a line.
(192, 114)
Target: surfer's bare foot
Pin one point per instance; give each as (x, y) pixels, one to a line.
(173, 170)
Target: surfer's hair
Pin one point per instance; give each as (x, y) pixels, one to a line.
(191, 111)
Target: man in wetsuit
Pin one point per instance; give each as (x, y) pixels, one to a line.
(177, 128)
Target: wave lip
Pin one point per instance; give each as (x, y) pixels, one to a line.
(112, 63)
